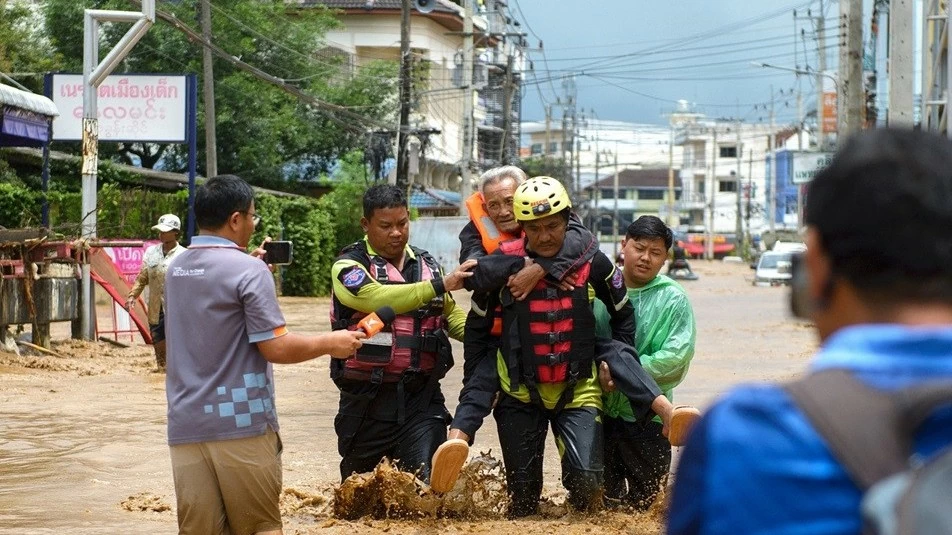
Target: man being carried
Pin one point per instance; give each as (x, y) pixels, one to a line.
(545, 364)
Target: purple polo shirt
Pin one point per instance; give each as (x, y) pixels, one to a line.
(219, 303)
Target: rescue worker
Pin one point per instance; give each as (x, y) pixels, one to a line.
(546, 361)
(637, 454)
(390, 399)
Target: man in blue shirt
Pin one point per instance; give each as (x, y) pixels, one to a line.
(879, 282)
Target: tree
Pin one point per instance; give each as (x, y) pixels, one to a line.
(264, 134)
(19, 25)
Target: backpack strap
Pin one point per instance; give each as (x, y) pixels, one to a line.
(851, 416)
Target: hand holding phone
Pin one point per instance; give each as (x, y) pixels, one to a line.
(278, 252)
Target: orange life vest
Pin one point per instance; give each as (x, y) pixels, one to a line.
(491, 235)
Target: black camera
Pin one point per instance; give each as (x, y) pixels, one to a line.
(278, 252)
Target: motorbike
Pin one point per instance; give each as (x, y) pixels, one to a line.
(681, 270)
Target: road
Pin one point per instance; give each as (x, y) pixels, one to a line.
(82, 437)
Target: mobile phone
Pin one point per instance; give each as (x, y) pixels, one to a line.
(278, 252)
(801, 305)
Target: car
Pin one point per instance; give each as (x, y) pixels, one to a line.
(773, 269)
(789, 247)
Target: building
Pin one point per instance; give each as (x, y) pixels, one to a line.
(636, 192)
(726, 173)
(370, 31)
(600, 144)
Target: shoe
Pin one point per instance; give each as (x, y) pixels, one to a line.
(447, 463)
(683, 418)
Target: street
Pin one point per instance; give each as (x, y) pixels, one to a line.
(82, 437)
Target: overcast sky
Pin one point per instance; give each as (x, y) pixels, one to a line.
(634, 59)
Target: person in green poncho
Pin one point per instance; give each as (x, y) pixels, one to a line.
(637, 455)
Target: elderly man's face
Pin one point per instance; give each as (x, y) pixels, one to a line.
(497, 200)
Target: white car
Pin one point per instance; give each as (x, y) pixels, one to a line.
(773, 269)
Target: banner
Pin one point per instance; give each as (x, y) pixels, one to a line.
(132, 107)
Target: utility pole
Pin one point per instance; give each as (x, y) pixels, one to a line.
(403, 164)
(673, 219)
(750, 190)
(709, 242)
(208, 94)
(851, 69)
(820, 69)
(615, 217)
(597, 226)
(505, 155)
(739, 223)
(772, 196)
(466, 187)
(900, 63)
(548, 131)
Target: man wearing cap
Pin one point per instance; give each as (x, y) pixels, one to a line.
(154, 263)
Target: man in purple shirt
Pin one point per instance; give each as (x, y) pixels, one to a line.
(878, 282)
(225, 330)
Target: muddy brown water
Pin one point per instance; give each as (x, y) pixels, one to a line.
(82, 438)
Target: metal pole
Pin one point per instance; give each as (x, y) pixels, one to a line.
(739, 223)
(772, 194)
(468, 141)
(851, 69)
(673, 219)
(403, 164)
(900, 63)
(208, 85)
(94, 73)
(821, 67)
(709, 241)
(615, 218)
(191, 116)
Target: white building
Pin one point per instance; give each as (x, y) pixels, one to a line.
(725, 163)
(370, 31)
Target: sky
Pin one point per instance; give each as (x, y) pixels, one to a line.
(634, 59)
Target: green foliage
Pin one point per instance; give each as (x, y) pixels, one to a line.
(539, 166)
(345, 202)
(19, 25)
(264, 134)
(18, 206)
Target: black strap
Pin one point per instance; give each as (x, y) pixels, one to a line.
(869, 431)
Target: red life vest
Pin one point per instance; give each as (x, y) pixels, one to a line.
(407, 344)
(556, 330)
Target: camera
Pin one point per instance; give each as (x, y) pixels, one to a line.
(801, 305)
(278, 252)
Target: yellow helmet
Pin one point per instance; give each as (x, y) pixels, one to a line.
(539, 197)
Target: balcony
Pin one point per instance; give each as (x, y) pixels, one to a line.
(692, 201)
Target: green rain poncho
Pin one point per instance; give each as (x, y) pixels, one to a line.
(664, 337)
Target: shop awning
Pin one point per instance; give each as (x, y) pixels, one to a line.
(25, 118)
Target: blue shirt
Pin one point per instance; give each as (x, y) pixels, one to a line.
(754, 464)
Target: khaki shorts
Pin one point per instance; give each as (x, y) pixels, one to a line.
(228, 486)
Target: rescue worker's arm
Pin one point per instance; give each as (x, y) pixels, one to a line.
(470, 243)
(578, 247)
(493, 271)
(609, 285)
(356, 289)
(455, 317)
(670, 363)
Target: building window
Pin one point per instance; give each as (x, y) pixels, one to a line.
(728, 151)
(553, 147)
(650, 194)
(726, 186)
(536, 148)
(608, 193)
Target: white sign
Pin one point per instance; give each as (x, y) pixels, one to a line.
(805, 165)
(132, 107)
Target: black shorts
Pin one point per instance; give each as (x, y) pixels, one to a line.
(157, 330)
